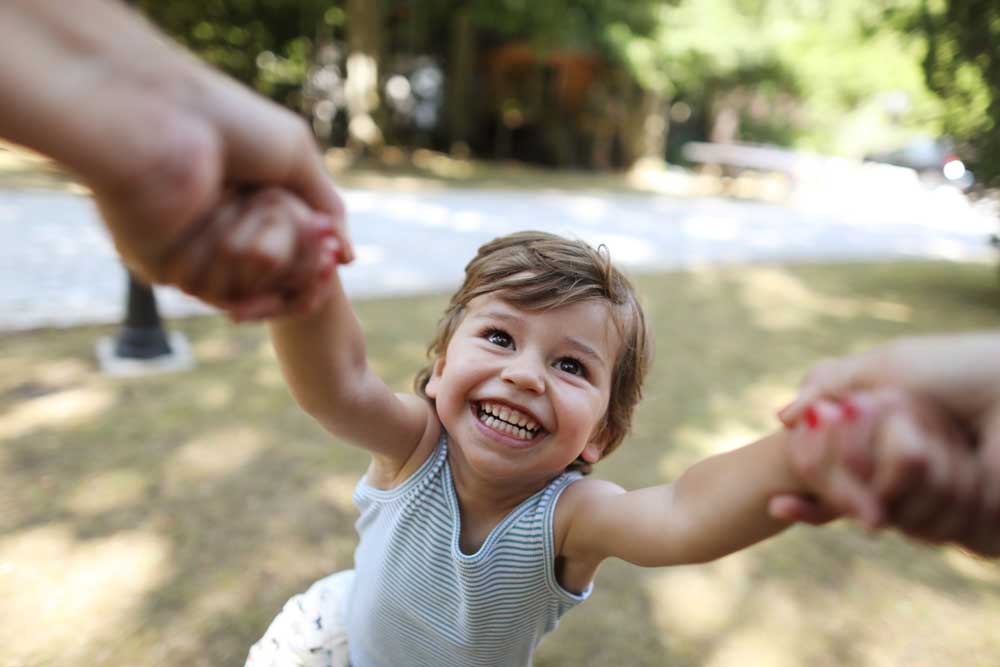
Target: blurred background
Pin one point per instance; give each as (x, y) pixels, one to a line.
(786, 179)
(594, 84)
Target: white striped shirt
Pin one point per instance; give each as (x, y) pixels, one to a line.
(419, 601)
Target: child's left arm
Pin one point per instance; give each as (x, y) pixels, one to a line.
(716, 507)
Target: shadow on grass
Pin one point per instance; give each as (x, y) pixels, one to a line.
(170, 517)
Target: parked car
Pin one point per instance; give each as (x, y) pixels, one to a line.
(935, 160)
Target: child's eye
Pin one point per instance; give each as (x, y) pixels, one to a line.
(499, 338)
(571, 366)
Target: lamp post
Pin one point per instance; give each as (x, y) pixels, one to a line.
(141, 335)
(141, 345)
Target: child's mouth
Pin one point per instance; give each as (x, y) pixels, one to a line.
(508, 421)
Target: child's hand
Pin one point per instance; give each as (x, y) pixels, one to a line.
(261, 254)
(886, 457)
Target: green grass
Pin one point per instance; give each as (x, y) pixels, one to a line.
(164, 520)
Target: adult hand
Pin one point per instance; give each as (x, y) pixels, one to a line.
(961, 373)
(160, 139)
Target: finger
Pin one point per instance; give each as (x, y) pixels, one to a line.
(272, 257)
(984, 532)
(255, 308)
(954, 474)
(316, 245)
(830, 379)
(857, 452)
(191, 261)
(814, 449)
(912, 476)
(316, 293)
(266, 143)
(801, 509)
(956, 517)
(314, 183)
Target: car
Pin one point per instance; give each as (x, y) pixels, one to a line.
(934, 159)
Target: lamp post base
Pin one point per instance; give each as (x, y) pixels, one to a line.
(111, 355)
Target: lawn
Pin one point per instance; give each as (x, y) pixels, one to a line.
(163, 521)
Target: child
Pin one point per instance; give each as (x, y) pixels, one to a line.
(477, 528)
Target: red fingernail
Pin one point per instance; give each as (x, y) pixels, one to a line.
(851, 410)
(811, 417)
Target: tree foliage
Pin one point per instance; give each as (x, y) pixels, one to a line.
(963, 67)
(267, 44)
(841, 76)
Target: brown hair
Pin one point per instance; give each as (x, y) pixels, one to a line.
(539, 271)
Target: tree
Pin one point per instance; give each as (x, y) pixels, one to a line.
(963, 67)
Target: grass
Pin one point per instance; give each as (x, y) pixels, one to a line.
(164, 520)
(422, 170)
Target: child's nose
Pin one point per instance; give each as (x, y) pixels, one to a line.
(525, 374)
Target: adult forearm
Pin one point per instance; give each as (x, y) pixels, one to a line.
(61, 65)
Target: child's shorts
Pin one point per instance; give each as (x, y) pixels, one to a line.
(310, 630)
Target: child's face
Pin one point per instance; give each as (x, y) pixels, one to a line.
(522, 393)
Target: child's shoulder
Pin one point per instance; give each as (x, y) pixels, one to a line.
(578, 503)
(387, 472)
(579, 500)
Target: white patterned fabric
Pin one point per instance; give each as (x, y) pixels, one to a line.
(310, 630)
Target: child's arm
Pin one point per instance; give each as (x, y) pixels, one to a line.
(322, 355)
(716, 507)
(319, 345)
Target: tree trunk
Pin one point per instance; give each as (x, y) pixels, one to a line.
(364, 39)
(460, 72)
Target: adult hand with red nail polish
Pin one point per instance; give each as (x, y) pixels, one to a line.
(162, 146)
(959, 374)
(814, 448)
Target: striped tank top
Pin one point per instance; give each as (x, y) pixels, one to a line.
(418, 601)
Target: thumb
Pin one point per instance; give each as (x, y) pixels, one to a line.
(984, 536)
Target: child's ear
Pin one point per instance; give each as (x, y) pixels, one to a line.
(593, 452)
(435, 379)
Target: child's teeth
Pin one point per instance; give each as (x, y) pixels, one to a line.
(509, 421)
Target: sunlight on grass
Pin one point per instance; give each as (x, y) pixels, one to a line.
(62, 372)
(758, 646)
(173, 516)
(213, 455)
(269, 377)
(779, 301)
(696, 602)
(106, 491)
(81, 593)
(63, 410)
(215, 348)
(338, 491)
(215, 395)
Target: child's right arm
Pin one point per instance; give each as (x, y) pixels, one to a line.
(323, 358)
(321, 348)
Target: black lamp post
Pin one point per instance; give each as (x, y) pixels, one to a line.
(141, 335)
(141, 345)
